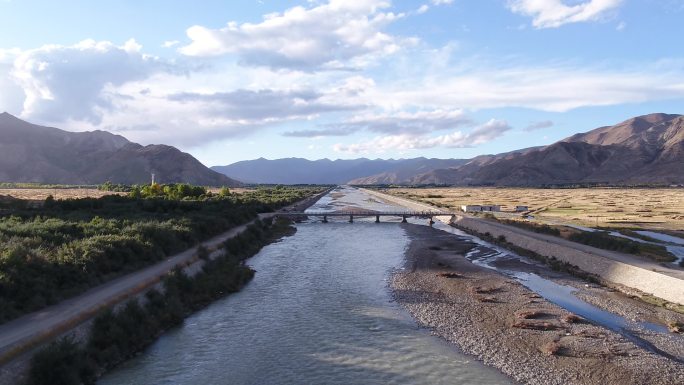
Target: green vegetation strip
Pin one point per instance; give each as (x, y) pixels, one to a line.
(66, 247)
(117, 335)
(599, 239)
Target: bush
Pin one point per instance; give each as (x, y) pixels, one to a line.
(118, 335)
(51, 253)
(62, 363)
(536, 227)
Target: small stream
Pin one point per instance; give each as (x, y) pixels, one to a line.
(486, 255)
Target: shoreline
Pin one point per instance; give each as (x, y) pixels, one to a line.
(14, 365)
(475, 309)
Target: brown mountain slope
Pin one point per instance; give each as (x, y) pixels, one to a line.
(32, 153)
(643, 150)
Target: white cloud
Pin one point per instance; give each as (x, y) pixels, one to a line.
(554, 13)
(476, 84)
(70, 82)
(402, 142)
(325, 36)
(261, 105)
(621, 26)
(170, 43)
(399, 122)
(441, 2)
(422, 9)
(539, 125)
(11, 95)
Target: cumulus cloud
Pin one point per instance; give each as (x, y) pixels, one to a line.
(11, 95)
(555, 13)
(263, 105)
(402, 142)
(400, 122)
(70, 82)
(553, 87)
(170, 43)
(539, 125)
(324, 36)
(318, 133)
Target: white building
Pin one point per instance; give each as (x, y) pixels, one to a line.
(480, 208)
(471, 208)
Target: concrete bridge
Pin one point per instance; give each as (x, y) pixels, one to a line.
(351, 214)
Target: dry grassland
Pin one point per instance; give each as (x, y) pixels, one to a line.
(39, 194)
(66, 193)
(610, 207)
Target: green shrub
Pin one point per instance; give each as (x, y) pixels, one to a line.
(62, 363)
(51, 253)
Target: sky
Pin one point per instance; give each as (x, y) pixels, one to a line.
(241, 79)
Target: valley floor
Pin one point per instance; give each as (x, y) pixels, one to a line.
(476, 309)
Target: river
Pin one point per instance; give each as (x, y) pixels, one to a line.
(318, 311)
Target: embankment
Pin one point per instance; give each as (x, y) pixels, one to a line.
(509, 327)
(23, 337)
(121, 332)
(652, 282)
(656, 283)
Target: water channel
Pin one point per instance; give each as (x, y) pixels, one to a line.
(318, 311)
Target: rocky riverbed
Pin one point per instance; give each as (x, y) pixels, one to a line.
(501, 322)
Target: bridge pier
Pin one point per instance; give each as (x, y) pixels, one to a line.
(351, 219)
(325, 219)
(377, 219)
(403, 219)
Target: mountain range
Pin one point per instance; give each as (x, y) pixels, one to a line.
(32, 153)
(326, 171)
(646, 149)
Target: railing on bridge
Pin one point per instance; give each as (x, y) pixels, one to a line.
(376, 214)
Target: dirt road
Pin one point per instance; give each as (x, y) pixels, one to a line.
(32, 328)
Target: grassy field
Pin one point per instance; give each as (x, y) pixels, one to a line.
(657, 208)
(57, 193)
(39, 194)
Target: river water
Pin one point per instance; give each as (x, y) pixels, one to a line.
(318, 311)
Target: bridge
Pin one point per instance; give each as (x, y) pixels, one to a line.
(357, 213)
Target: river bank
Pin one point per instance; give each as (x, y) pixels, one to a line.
(501, 322)
(319, 310)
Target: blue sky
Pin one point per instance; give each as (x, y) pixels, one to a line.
(234, 80)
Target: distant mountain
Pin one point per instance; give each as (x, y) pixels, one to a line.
(32, 153)
(326, 171)
(643, 150)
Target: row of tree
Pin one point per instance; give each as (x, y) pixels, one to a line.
(117, 335)
(51, 253)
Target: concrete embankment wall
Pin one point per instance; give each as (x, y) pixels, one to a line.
(660, 285)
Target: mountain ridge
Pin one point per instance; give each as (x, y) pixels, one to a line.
(647, 149)
(39, 154)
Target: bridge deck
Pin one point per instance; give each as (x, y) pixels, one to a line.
(368, 213)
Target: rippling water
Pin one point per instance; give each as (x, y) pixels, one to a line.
(317, 312)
